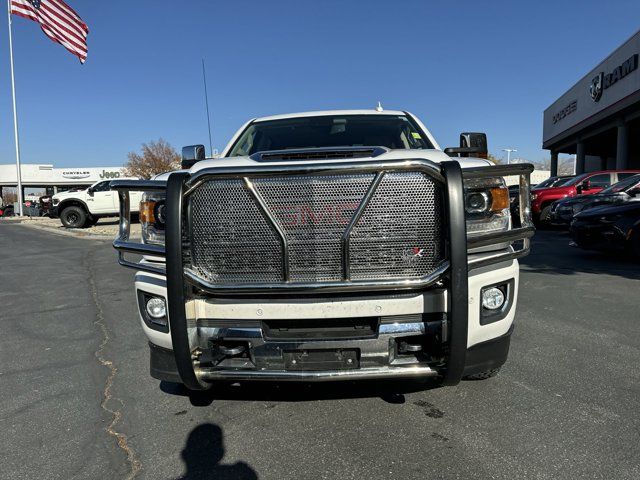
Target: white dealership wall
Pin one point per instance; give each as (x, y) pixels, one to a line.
(44, 175)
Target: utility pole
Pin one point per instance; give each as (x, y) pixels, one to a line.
(509, 150)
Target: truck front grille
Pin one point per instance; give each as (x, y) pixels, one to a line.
(239, 237)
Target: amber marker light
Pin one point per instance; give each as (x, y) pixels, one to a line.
(500, 199)
(146, 212)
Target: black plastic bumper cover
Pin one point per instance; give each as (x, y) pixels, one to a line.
(488, 355)
(162, 365)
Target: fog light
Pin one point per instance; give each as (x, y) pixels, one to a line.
(156, 307)
(492, 298)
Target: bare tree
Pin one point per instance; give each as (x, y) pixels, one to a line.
(9, 196)
(156, 157)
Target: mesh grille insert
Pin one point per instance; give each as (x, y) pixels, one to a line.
(398, 236)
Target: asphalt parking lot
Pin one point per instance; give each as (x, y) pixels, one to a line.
(77, 401)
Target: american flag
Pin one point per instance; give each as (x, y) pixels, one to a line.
(58, 21)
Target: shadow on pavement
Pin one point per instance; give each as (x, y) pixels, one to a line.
(203, 453)
(551, 252)
(389, 391)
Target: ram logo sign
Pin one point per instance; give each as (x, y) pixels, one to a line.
(602, 81)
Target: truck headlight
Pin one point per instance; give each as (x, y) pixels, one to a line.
(152, 217)
(486, 204)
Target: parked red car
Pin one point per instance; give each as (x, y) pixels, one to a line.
(585, 184)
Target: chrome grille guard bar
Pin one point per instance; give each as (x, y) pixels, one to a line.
(523, 233)
(526, 229)
(122, 242)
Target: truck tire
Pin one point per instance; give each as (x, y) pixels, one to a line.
(73, 217)
(545, 214)
(483, 375)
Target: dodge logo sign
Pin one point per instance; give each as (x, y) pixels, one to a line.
(595, 90)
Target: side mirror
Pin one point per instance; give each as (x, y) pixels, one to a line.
(471, 144)
(90, 191)
(192, 155)
(586, 185)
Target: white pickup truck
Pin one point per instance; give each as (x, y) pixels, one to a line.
(83, 208)
(333, 245)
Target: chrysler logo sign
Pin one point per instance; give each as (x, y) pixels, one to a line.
(602, 81)
(76, 174)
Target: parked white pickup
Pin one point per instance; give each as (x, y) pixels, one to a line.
(83, 208)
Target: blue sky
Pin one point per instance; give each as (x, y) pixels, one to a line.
(459, 65)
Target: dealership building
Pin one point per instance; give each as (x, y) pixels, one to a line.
(52, 180)
(598, 119)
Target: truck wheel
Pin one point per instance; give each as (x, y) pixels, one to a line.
(483, 375)
(545, 214)
(73, 217)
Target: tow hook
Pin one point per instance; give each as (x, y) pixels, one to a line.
(216, 353)
(405, 347)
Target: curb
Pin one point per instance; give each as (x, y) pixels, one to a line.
(67, 233)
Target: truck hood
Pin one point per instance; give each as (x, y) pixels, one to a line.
(63, 195)
(540, 192)
(595, 198)
(436, 156)
(604, 210)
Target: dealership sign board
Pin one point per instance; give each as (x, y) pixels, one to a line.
(46, 174)
(614, 79)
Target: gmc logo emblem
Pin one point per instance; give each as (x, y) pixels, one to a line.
(298, 215)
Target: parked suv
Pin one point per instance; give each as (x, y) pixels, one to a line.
(79, 209)
(608, 227)
(585, 184)
(328, 246)
(6, 210)
(562, 211)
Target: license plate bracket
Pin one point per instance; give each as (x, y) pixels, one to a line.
(315, 360)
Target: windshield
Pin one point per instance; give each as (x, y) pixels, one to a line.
(560, 181)
(550, 182)
(574, 180)
(391, 131)
(622, 185)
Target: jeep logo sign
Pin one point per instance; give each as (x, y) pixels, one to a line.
(106, 174)
(602, 81)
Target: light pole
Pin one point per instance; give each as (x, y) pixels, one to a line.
(509, 150)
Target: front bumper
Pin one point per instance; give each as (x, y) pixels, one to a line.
(561, 216)
(596, 236)
(443, 335)
(418, 318)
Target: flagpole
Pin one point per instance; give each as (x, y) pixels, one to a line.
(15, 113)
